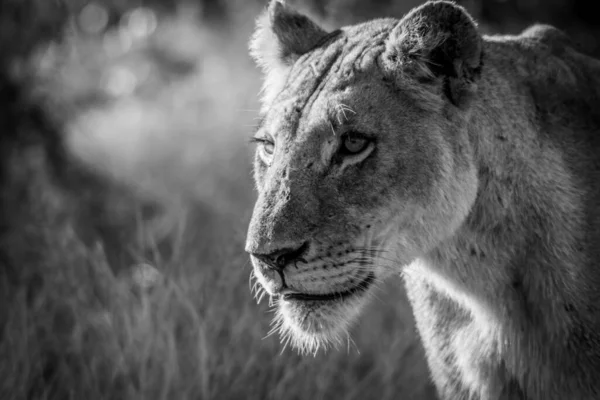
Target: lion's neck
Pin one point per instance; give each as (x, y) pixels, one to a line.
(519, 251)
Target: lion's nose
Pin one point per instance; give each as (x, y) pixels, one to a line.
(278, 259)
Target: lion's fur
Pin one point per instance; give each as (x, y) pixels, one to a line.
(482, 191)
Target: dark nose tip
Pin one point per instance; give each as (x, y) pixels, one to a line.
(280, 258)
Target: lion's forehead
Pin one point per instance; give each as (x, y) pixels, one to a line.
(334, 65)
(314, 98)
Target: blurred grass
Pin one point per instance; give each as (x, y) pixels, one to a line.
(127, 144)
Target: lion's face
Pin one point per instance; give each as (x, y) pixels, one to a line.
(356, 176)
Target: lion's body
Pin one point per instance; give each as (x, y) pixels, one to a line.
(535, 226)
(478, 182)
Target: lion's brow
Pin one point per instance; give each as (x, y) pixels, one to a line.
(261, 122)
(327, 58)
(341, 114)
(343, 110)
(334, 51)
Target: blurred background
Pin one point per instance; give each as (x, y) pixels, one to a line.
(126, 190)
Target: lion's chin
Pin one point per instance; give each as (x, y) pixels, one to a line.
(309, 325)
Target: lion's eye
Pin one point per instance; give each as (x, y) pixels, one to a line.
(267, 147)
(354, 144)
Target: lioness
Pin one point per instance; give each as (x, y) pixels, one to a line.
(468, 164)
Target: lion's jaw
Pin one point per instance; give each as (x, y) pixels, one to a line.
(318, 297)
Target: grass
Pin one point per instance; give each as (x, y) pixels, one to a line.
(198, 335)
(71, 324)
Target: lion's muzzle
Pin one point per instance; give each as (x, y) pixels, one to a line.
(270, 264)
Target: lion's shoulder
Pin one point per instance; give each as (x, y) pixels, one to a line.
(539, 51)
(546, 66)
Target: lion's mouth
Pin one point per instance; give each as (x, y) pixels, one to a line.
(360, 287)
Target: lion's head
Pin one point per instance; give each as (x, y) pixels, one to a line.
(364, 162)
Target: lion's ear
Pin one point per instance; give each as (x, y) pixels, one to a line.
(437, 42)
(282, 35)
